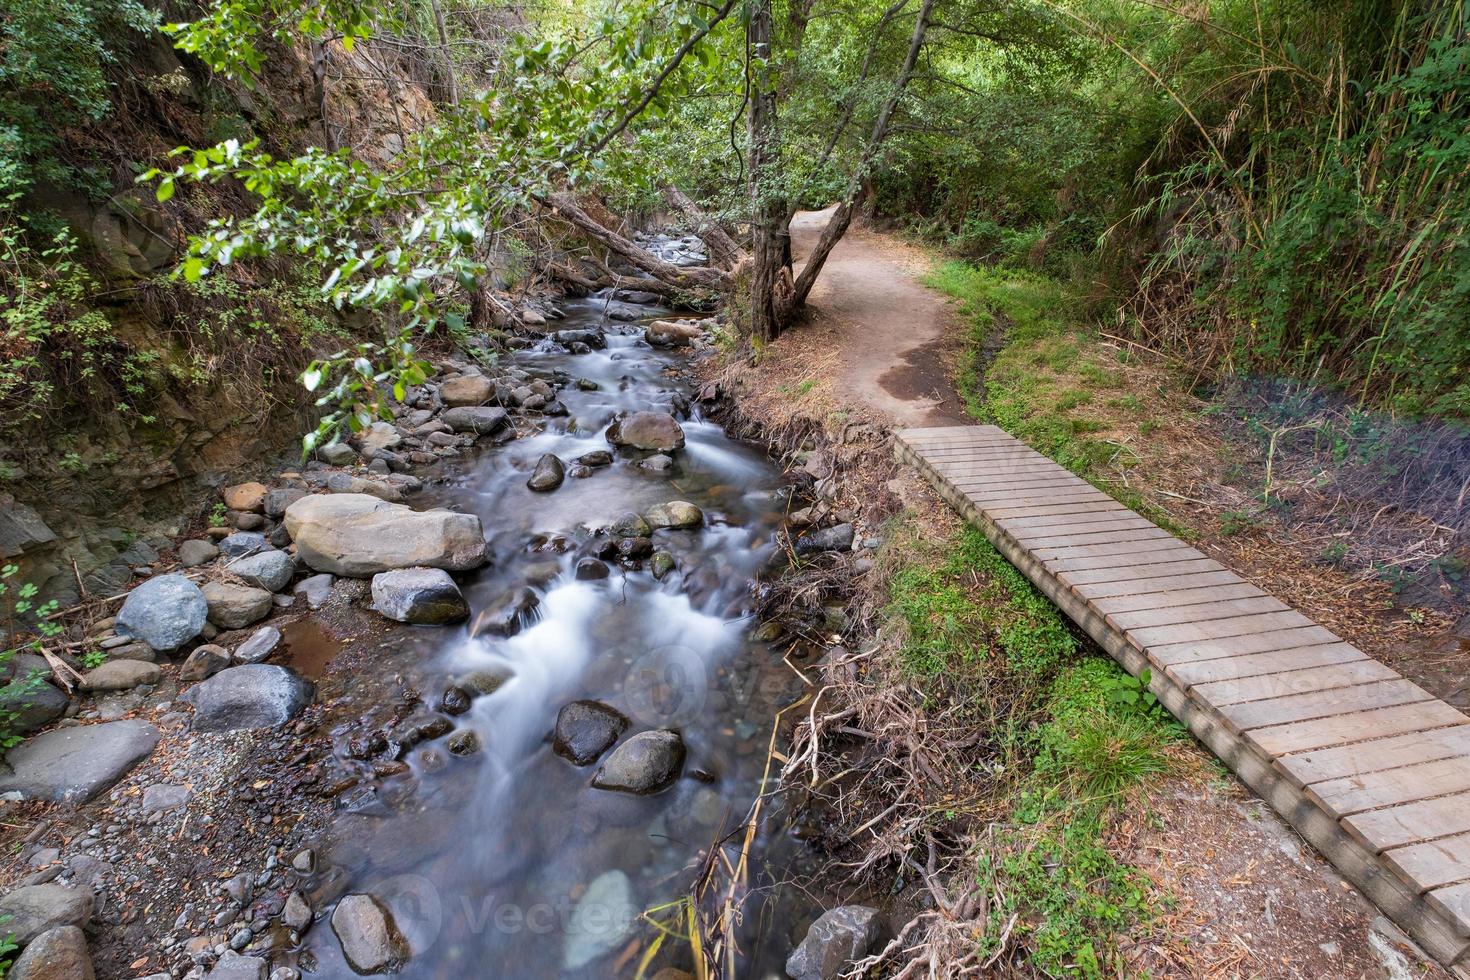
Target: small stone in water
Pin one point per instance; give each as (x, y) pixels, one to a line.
(591, 568)
(549, 474)
(463, 742)
(455, 700)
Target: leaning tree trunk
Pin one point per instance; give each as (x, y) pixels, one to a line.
(723, 249)
(841, 218)
(768, 210)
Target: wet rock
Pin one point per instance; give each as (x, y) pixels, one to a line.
(163, 797)
(262, 644)
(419, 595)
(316, 590)
(337, 454)
(508, 614)
(634, 549)
(834, 940)
(359, 535)
(645, 763)
(596, 458)
(590, 569)
(121, 675)
(579, 472)
(195, 552)
(631, 526)
(248, 696)
(585, 730)
(485, 682)
(34, 705)
(56, 954)
(269, 570)
(661, 564)
(647, 430)
(297, 912)
(592, 338)
(658, 463)
(480, 421)
(455, 700)
(675, 514)
(164, 612)
(33, 910)
(233, 966)
(72, 765)
(605, 916)
(548, 475)
(672, 333)
(204, 661)
(233, 607)
(370, 939)
(838, 537)
(463, 742)
(245, 496)
(467, 390)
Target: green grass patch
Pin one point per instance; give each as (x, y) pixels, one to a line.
(1042, 374)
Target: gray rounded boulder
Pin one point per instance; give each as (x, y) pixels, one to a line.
(425, 596)
(248, 696)
(164, 612)
(359, 535)
(269, 570)
(645, 763)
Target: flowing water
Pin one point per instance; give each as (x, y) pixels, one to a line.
(507, 862)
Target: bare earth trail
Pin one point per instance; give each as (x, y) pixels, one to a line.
(896, 334)
(1247, 898)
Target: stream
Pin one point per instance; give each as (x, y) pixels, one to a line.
(507, 862)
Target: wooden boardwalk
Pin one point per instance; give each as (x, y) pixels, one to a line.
(1366, 765)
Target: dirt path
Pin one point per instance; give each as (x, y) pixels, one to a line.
(897, 335)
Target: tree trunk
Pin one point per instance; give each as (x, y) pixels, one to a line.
(768, 210)
(564, 206)
(841, 218)
(451, 85)
(723, 249)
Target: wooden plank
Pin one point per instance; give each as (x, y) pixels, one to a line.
(983, 498)
(966, 469)
(1323, 765)
(1410, 823)
(1105, 506)
(1349, 795)
(1432, 864)
(1321, 733)
(1454, 903)
(1183, 596)
(972, 484)
(1144, 587)
(1217, 629)
(1142, 573)
(1166, 654)
(1129, 560)
(1044, 539)
(1086, 519)
(1279, 684)
(1322, 704)
(1202, 612)
(1136, 549)
(1189, 674)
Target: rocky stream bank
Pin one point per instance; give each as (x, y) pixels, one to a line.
(480, 685)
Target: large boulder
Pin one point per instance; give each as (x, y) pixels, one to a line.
(248, 696)
(243, 543)
(164, 612)
(467, 390)
(121, 675)
(647, 430)
(35, 703)
(672, 333)
(72, 765)
(838, 937)
(549, 473)
(233, 607)
(419, 595)
(359, 535)
(56, 954)
(480, 421)
(347, 483)
(245, 496)
(674, 514)
(585, 729)
(269, 570)
(30, 911)
(645, 763)
(371, 942)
